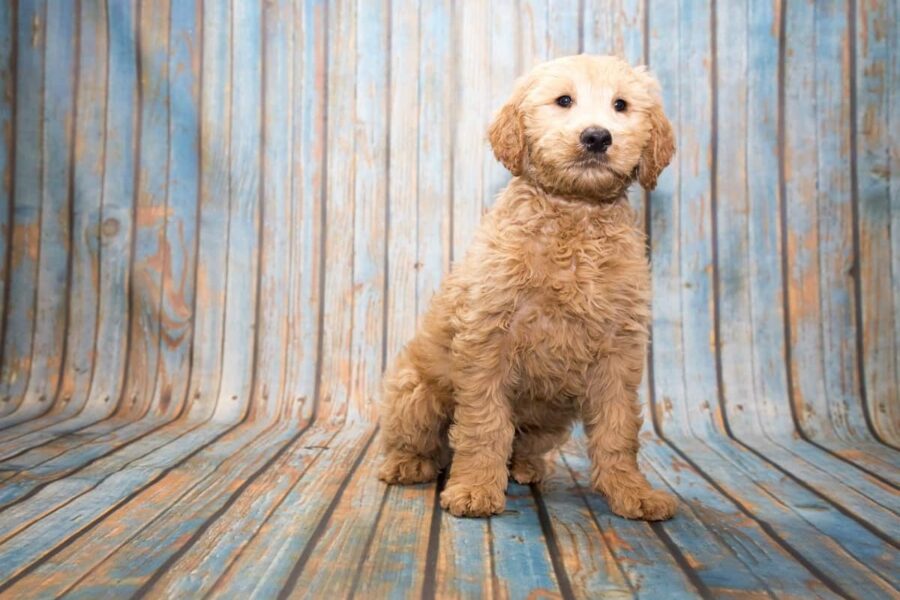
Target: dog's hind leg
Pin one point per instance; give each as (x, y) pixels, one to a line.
(529, 447)
(413, 425)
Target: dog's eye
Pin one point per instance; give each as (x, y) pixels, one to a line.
(620, 105)
(564, 101)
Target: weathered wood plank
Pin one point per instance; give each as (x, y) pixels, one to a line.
(590, 565)
(229, 535)
(8, 45)
(19, 317)
(522, 564)
(71, 505)
(157, 522)
(139, 539)
(215, 193)
(242, 268)
(308, 171)
(819, 248)
(876, 77)
(70, 453)
(180, 251)
(396, 563)
(340, 156)
(755, 393)
(88, 160)
(465, 563)
(850, 556)
(403, 176)
(504, 68)
(284, 536)
(617, 28)
(471, 116)
(369, 207)
(334, 565)
(643, 557)
(116, 221)
(56, 129)
(151, 202)
(735, 555)
(277, 161)
(435, 146)
(87, 165)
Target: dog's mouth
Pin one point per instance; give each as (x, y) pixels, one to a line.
(591, 160)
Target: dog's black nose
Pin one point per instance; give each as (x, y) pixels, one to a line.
(596, 139)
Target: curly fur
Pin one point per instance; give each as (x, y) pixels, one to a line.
(545, 319)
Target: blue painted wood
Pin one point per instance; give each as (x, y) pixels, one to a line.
(26, 218)
(218, 221)
(522, 563)
(151, 203)
(369, 206)
(117, 200)
(8, 25)
(277, 205)
(333, 376)
(215, 194)
(242, 268)
(179, 265)
(876, 71)
(308, 172)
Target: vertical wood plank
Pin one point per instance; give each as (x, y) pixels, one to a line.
(435, 186)
(88, 163)
(341, 157)
(151, 205)
(616, 28)
(244, 212)
(180, 251)
(563, 28)
(369, 204)
(469, 148)
(8, 45)
(308, 201)
(215, 191)
(407, 127)
(53, 253)
(504, 68)
(117, 198)
(876, 84)
(27, 202)
(275, 264)
(686, 399)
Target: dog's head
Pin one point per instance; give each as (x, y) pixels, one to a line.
(585, 125)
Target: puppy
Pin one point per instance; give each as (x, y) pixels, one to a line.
(545, 319)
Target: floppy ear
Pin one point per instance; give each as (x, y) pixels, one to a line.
(507, 132)
(659, 150)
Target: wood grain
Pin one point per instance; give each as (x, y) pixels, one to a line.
(221, 220)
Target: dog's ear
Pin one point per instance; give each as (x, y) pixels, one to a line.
(660, 147)
(507, 132)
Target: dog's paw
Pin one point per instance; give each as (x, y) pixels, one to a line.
(528, 470)
(645, 505)
(407, 469)
(463, 500)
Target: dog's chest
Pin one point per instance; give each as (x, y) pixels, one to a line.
(584, 282)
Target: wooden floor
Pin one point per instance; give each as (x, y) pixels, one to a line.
(220, 221)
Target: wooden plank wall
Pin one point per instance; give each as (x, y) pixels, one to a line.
(219, 208)
(221, 219)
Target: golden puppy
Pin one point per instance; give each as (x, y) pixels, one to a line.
(545, 319)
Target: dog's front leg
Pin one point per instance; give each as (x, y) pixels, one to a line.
(612, 420)
(481, 434)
